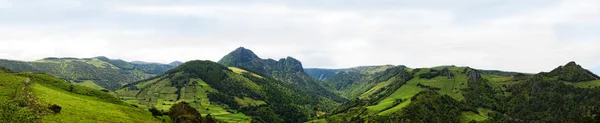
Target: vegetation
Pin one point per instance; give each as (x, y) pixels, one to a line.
(351, 82)
(101, 71)
(287, 71)
(244, 88)
(228, 94)
(37, 97)
(473, 96)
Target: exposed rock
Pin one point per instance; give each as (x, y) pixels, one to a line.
(446, 72)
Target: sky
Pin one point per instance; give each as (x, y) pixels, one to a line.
(512, 35)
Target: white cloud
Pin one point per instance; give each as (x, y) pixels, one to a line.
(417, 34)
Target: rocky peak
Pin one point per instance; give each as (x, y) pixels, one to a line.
(291, 64)
(474, 75)
(447, 72)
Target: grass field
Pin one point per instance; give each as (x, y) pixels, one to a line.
(470, 116)
(242, 71)
(91, 84)
(78, 108)
(405, 92)
(10, 85)
(159, 93)
(588, 84)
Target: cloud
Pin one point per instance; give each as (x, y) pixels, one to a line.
(514, 35)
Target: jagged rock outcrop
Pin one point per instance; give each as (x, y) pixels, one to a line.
(446, 72)
(288, 70)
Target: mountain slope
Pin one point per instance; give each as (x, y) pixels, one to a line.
(99, 72)
(287, 70)
(38, 97)
(228, 93)
(349, 82)
(459, 94)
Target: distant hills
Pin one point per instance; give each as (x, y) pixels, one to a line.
(242, 87)
(568, 93)
(98, 72)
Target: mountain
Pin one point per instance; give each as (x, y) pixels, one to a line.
(98, 72)
(461, 94)
(288, 70)
(348, 82)
(574, 73)
(28, 97)
(229, 94)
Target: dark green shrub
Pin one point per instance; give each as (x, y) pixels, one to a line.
(55, 108)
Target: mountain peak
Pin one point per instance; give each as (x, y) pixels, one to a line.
(238, 56)
(176, 63)
(572, 63)
(573, 72)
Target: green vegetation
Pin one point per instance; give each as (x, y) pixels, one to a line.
(29, 97)
(245, 88)
(351, 82)
(460, 94)
(288, 71)
(104, 72)
(230, 95)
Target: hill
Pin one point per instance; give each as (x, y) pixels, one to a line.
(462, 94)
(350, 82)
(229, 94)
(287, 70)
(99, 72)
(38, 97)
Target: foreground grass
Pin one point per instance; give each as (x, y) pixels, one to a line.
(78, 108)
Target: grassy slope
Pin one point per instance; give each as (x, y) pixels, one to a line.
(107, 74)
(450, 87)
(78, 108)
(158, 93)
(91, 84)
(588, 84)
(75, 107)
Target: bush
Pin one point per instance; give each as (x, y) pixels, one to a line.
(183, 113)
(155, 112)
(55, 108)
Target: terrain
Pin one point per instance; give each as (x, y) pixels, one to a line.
(242, 87)
(228, 93)
(38, 97)
(98, 72)
(463, 94)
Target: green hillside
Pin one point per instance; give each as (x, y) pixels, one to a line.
(459, 94)
(229, 94)
(98, 72)
(351, 82)
(288, 70)
(38, 97)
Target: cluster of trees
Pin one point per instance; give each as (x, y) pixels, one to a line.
(184, 113)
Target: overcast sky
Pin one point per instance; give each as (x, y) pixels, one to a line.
(513, 35)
